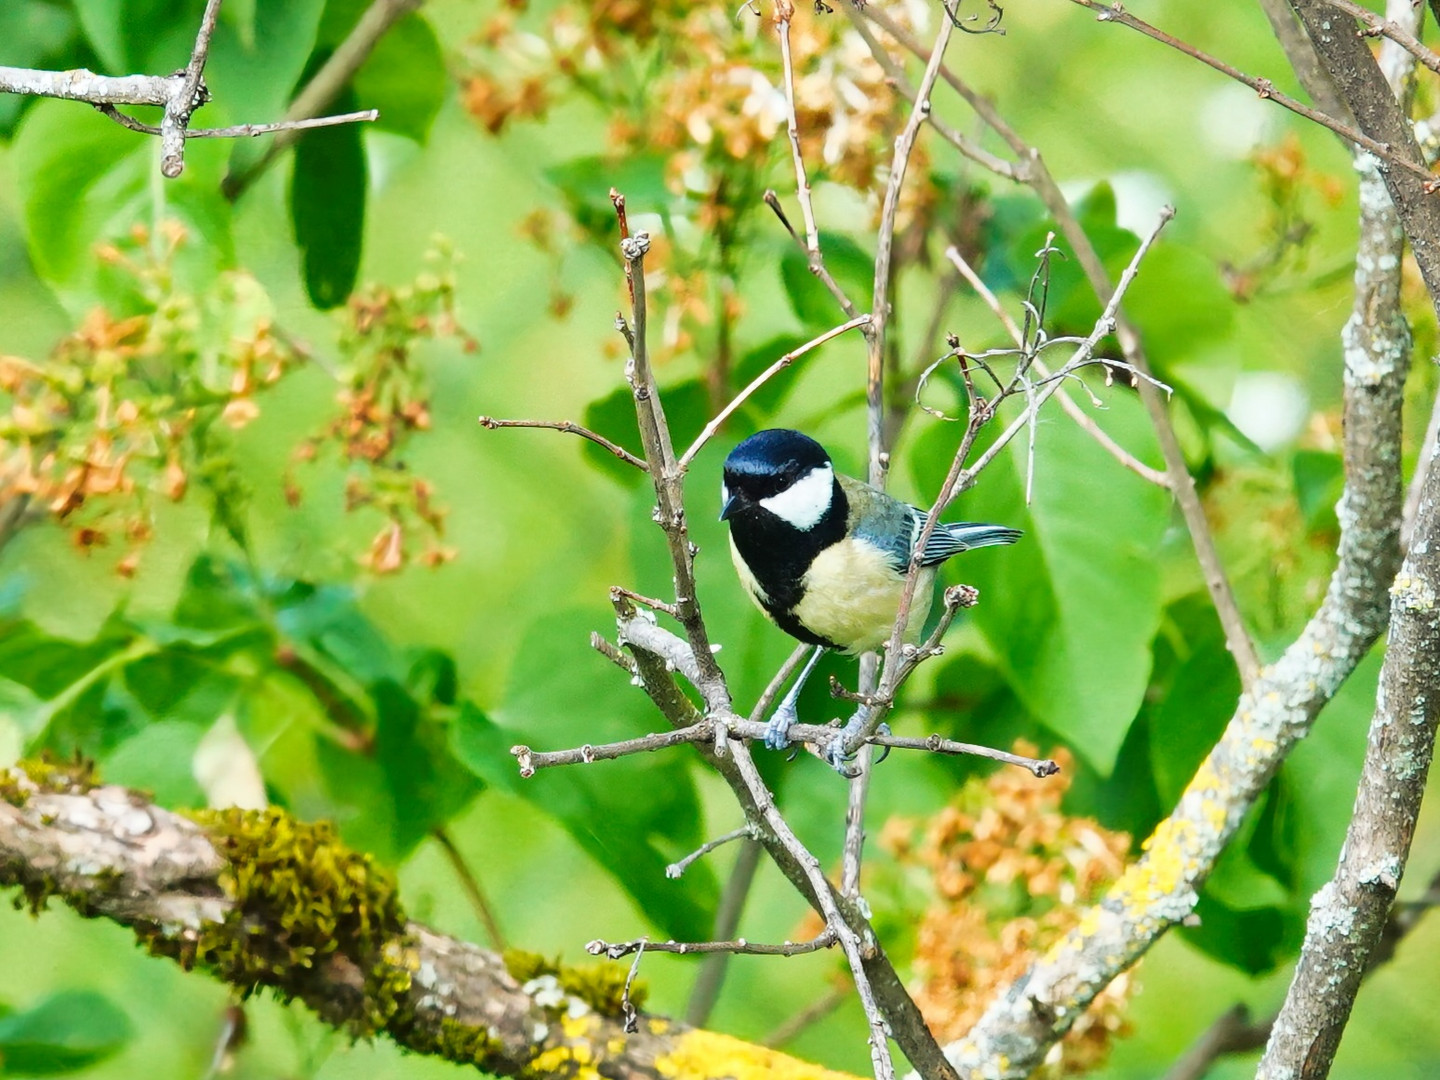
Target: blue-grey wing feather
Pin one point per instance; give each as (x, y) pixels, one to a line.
(894, 527)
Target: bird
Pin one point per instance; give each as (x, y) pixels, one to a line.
(825, 556)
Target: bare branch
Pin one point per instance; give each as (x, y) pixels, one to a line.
(242, 131)
(569, 428)
(186, 96)
(1402, 35)
(1348, 916)
(614, 950)
(111, 853)
(760, 380)
(1271, 716)
(1067, 403)
(1037, 175)
(884, 250)
(321, 90)
(676, 869)
(1115, 13)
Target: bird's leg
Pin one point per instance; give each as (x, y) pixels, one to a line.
(776, 729)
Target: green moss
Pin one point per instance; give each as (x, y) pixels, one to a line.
(306, 910)
(458, 1042)
(601, 986)
(57, 776)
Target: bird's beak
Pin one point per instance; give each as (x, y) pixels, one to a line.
(733, 505)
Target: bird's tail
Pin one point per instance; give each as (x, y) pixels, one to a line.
(974, 535)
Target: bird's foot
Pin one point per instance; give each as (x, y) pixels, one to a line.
(777, 730)
(835, 752)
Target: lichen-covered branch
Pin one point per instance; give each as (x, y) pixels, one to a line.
(263, 901)
(1348, 916)
(1272, 714)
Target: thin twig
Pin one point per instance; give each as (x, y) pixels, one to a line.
(1071, 408)
(880, 1059)
(530, 760)
(1182, 485)
(760, 380)
(621, 659)
(322, 89)
(811, 1014)
(617, 591)
(858, 16)
(814, 257)
(614, 950)
(187, 96)
(471, 884)
(961, 477)
(884, 251)
(1375, 26)
(241, 131)
(1115, 13)
(676, 869)
(570, 429)
(713, 969)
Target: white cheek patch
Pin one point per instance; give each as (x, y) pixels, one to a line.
(804, 502)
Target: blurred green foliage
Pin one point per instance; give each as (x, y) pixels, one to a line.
(278, 634)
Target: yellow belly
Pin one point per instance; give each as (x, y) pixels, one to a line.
(852, 595)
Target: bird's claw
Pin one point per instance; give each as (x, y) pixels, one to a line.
(777, 730)
(835, 752)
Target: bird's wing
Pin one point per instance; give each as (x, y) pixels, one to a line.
(894, 527)
(951, 538)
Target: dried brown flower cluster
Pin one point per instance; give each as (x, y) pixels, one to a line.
(710, 85)
(695, 100)
(384, 400)
(1011, 873)
(127, 408)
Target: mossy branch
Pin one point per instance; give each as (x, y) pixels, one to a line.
(265, 902)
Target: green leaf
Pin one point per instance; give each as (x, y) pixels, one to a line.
(327, 206)
(1197, 698)
(254, 78)
(1070, 611)
(687, 410)
(215, 598)
(427, 785)
(66, 1032)
(766, 401)
(49, 665)
(328, 621)
(586, 182)
(1253, 939)
(852, 269)
(634, 815)
(1319, 482)
(61, 154)
(159, 759)
(84, 180)
(405, 78)
(36, 35)
(240, 16)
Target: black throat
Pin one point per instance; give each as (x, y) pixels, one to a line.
(778, 554)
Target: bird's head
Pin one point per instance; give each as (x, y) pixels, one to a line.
(781, 472)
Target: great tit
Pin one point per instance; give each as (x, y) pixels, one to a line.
(825, 556)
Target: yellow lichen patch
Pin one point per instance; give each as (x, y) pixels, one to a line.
(699, 1055)
(579, 1028)
(576, 1062)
